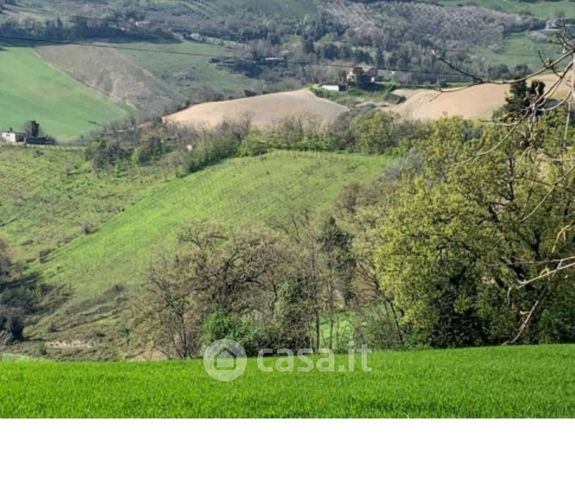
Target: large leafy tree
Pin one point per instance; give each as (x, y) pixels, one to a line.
(466, 233)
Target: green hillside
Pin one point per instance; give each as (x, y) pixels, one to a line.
(240, 191)
(496, 382)
(187, 70)
(95, 232)
(47, 196)
(32, 89)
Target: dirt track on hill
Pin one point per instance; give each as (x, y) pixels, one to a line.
(263, 110)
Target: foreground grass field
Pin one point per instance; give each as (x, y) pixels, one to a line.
(32, 89)
(514, 382)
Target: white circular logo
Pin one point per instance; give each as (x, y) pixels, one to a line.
(225, 360)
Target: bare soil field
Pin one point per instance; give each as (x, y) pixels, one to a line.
(263, 110)
(112, 73)
(476, 102)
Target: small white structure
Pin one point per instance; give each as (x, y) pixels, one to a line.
(13, 137)
(331, 87)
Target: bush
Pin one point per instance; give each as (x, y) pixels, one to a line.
(218, 144)
(19, 298)
(376, 328)
(103, 153)
(244, 331)
(148, 151)
(212, 149)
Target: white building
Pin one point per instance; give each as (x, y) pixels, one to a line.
(13, 137)
(331, 87)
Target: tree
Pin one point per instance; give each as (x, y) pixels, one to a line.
(465, 233)
(235, 276)
(336, 245)
(32, 129)
(20, 298)
(103, 153)
(525, 100)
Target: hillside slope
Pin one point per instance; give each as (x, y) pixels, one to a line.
(237, 192)
(261, 110)
(48, 196)
(477, 102)
(111, 72)
(32, 89)
(152, 77)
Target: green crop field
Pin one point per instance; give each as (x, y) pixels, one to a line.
(518, 49)
(32, 89)
(499, 382)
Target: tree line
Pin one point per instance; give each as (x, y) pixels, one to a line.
(447, 248)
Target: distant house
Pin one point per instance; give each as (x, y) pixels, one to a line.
(333, 87)
(32, 136)
(363, 75)
(13, 137)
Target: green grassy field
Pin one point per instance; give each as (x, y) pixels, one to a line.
(32, 89)
(48, 196)
(237, 192)
(518, 49)
(541, 9)
(500, 382)
(187, 69)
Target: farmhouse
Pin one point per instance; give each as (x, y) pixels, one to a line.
(13, 137)
(363, 75)
(333, 87)
(32, 136)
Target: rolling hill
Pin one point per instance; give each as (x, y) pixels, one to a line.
(47, 197)
(30, 89)
(478, 102)
(263, 110)
(152, 77)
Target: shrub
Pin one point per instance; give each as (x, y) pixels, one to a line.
(242, 330)
(103, 153)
